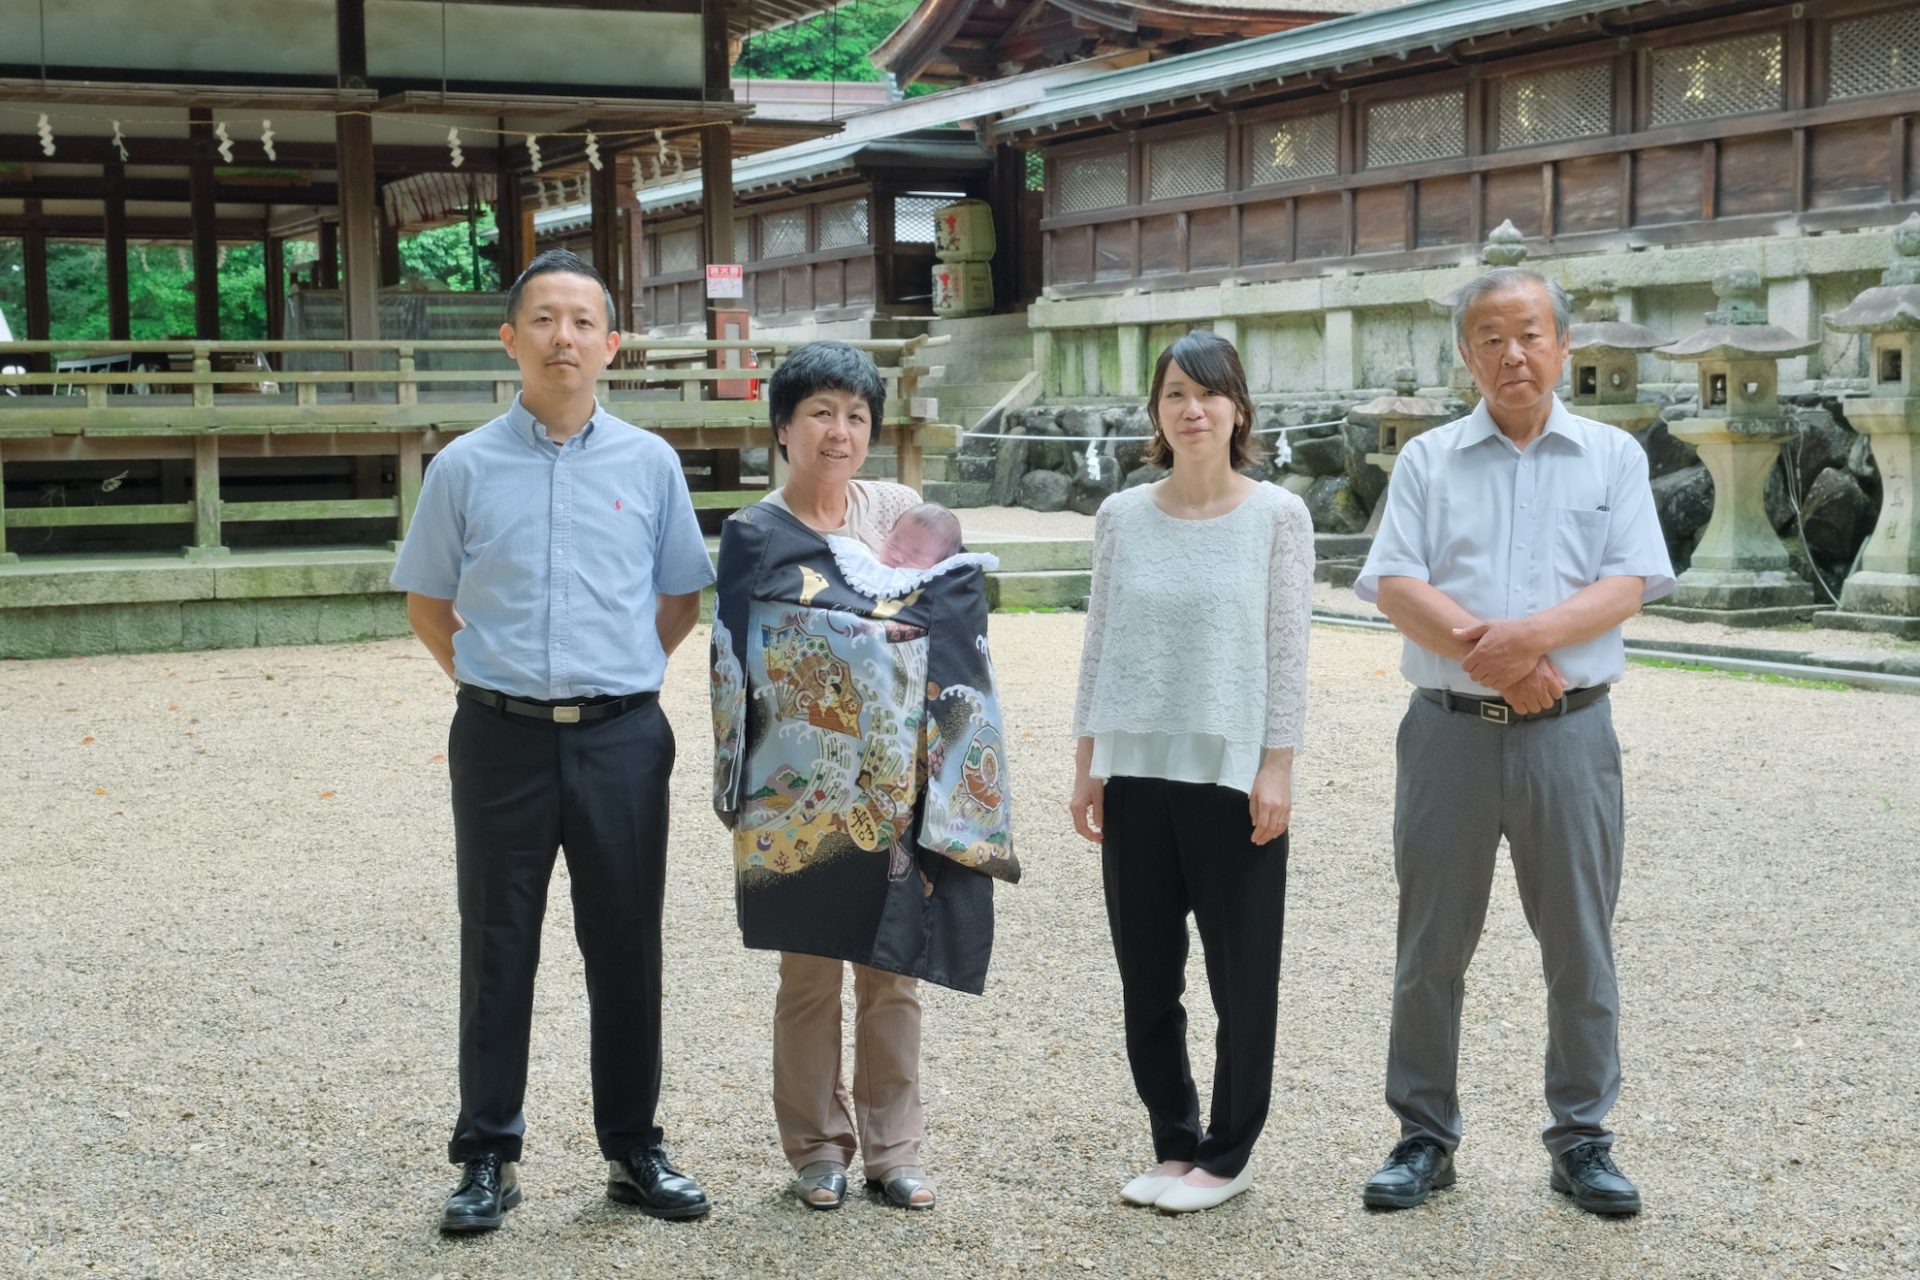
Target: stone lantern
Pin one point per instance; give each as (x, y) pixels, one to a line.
(1606, 364)
(1740, 574)
(1883, 594)
(1505, 247)
(1398, 418)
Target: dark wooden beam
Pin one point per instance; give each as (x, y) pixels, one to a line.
(603, 191)
(168, 191)
(359, 246)
(61, 226)
(506, 221)
(119, 308)
(389, 250)
(716, 197)
(295, 157)
(206, 242)
(328, 243)
(33, 247)
(276, 291)
(716, 62)
(350, 41)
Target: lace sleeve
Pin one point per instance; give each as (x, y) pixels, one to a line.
(1095, 634)
(1289, 619)
(889, 502)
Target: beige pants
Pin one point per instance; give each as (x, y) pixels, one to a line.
(816, 1113)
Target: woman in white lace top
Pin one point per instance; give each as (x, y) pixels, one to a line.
(1192, 699)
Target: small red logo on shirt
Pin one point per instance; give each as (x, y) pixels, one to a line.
(616, 504)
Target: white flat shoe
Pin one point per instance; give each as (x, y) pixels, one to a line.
(1182, 1198)
(1148, 1188)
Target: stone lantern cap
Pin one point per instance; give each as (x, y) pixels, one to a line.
(1893, 305)
(1601, 332)
(1738, 328)
(1402, 406)
(1505, 247)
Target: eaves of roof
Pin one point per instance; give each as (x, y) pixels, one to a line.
(1320, 46)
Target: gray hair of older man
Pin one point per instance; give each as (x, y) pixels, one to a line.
(1501, 279)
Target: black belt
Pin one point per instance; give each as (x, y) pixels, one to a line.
(560, 712)
(1499, 712)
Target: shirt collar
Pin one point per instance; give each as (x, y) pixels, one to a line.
(1481, 426)
(530, 429)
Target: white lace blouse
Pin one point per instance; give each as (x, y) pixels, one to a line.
(1195, 658)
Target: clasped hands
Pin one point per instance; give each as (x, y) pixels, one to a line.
(1510, 657)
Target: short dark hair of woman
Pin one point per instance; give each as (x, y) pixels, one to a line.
(1210, 360)
(826, 365)
(559, 260)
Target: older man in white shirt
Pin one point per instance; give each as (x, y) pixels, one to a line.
(1515, 542)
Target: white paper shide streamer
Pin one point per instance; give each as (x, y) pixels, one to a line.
(119, 142)
(459, 157)
(533, 151)
(266, 139)
(45, 129)
(226, 143)
(593, 150)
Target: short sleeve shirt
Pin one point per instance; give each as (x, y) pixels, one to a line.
(555, 556)
(1506, 533)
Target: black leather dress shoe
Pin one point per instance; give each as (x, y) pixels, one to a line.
(1415, 1169)
(488, 1188)
(646, 1180)
(1588, 1174)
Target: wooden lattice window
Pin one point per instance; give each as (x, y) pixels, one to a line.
(843, 223)
(1726, 78)
(680, 251)
(783, 234)
(1876, 54)
(1194, 165)
(1576, 103)
(1288, 150)
(1091, 182)
(1410, 130)
(742, 241)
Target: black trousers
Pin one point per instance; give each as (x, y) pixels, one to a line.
(522, 789)
(1171, 848)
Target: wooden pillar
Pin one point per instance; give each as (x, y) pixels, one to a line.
(359, 247)
(328, 256)
(716, 198)
(1006, 187)
(276, 267)
(603, 194)
(33, 248)
(409, 468)
(206, 241)
(511, 255)
(716, 72)
(206, 498)
(389, 249)
(6, 556)
(635, 316)
(119, 308)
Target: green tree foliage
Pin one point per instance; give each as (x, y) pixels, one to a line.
(160, 282)
(831, 46)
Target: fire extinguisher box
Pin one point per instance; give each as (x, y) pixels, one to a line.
(963, 232)
(962, 288)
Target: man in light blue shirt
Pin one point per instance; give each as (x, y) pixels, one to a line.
(1514, 544)
(553, 564)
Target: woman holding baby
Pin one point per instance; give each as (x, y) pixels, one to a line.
(1191, 704)
(859, 765)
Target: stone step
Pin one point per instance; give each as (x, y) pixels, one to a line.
(1035, 555)
(1039, 589)
(885, 466)
(965, 327)
(986, 368)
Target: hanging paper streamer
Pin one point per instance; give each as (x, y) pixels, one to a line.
(533, 151)
(659, 140)
(637, 177)
(1284, 453)
(119, 142)
(46, 134)
(453, 145)
(1093, 462)
(679, 164)
(593, 150)
(226, 143)
(266, 139)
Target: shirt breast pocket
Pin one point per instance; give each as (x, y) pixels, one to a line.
(1579, 543)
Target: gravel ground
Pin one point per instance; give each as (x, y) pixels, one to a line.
(226, 1042)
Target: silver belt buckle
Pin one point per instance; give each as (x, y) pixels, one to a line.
(566, 715)
(1498, 712)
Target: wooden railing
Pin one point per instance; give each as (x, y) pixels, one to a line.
(389, 408)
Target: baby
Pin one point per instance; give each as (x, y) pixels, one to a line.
(922, 537)
(924, 542)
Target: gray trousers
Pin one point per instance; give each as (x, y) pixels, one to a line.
(1552, 788)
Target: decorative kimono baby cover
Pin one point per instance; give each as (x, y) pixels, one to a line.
(859, 758)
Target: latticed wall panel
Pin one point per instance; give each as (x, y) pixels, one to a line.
(843, 223)
(1726, 78)
(742, 242)
(1195, 165)
(1287, 150)
(679, 251)
(913, 217)
(1410, 130)
(783, 234)
(1576, 103)
(1091, 182)
(1876, 54)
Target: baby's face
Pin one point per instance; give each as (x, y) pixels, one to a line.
(913, 546)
